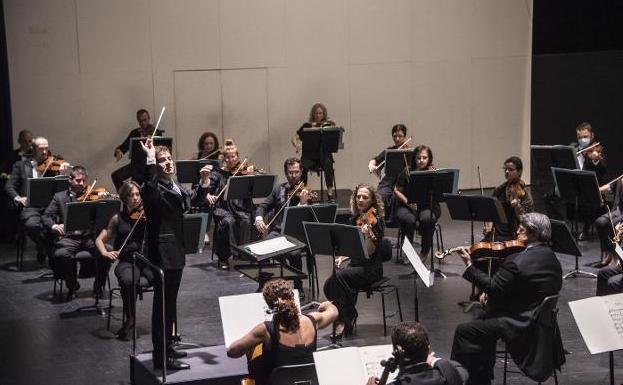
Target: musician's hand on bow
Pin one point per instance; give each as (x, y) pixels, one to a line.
(59, 229)
(618, 227)
(487, 228)
(413, 207)
(372, 381)
(211, 199)
(516, 203)
(605, 188)
(112, 255)
(594, 155)
(260, 226)
(149, 148)
(20, 201)
(465, 255)
(341, 260)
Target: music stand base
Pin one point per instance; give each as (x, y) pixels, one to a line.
(577, 273)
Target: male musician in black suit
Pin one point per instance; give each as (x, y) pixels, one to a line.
(16, 186)
(274, 203)
(165, 203)
(130, 170)
(416, 363)
(24, 151)
(69, 244)
(512, 295)
(604, 226)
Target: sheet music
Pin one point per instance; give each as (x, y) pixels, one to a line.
(351, 365)
(600, 320)
(270, 246)
(371, 356)
(240, 313)
(619, 252)
(425, 275)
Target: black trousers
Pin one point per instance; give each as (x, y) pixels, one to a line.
(425, 221)
(610, 280)
(386, 191)
(31, 221)
(310, 164)
(172, 280)
(224, 236)
(64, 264)
(474, 348)
(123, 272)
(342, 288)
(604, 229)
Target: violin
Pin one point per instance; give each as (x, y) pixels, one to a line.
(52, 164)
(297, 189)
(515, 190)
(242, 168)
(484, 250)
(96, 194)
(138, 213)
(367, 218)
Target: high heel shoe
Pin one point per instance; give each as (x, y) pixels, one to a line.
(350, 328)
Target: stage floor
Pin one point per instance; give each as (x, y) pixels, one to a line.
(43, 341)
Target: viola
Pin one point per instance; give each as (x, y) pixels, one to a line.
(483, 250)
(52, 164)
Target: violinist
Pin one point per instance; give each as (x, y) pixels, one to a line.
(37, 167)
(605, 223)
(208, 147)
(386, 185)
(68, 245)
(143, 130)
(289, 338)
(229, 215)
(127, 227)
(409, 214)
(512, 295)
(274, 203)
(341, 288)
(310, 161)
(515, 198)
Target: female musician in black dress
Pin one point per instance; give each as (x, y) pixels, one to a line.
(128, 224)
(386, 185)
(409, 214)
(367, 212)
(318, 117)
(208, 147)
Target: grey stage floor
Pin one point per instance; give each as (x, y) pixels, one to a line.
(40, 344)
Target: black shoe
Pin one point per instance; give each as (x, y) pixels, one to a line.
(72, 292)
(172, 364)
(172, 353)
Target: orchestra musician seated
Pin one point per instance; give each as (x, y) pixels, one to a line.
(42, 164)
(610, 276)
(288, 339)
(512, 297)
(415, 362)
(515, 198)
(318, 117)
(342, 288)
(68, 244)
(207, 147)
(376, 165)
(229, 215)
(127, 228)
(411, 215)
(293, 193)
(131, 170)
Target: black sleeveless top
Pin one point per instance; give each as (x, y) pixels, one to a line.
(135, 243)
(290, 355)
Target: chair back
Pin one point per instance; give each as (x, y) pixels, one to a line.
(547, 313)
(304, 374)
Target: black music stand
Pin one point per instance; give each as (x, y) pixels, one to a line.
(397, 160)
(249, 187)
(335, 239)
(320, 142)
(425, 188)
(137, 154)
(187, 171)
(90, 216)
(475, 208)
(40, 191)
(292, 225)
(562, 240)
(577, 187)
(543, 157)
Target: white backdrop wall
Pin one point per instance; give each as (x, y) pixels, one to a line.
(456, 72)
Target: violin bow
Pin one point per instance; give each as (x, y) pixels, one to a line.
(86, 196)
(235, 172)
(287, 202)
(127, 238)
(399, 148)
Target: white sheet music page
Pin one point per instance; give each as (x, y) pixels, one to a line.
(371, 356)
(600, 320)
(341, 366)
(240, 313)
(425, 275)
(619, 251)
(270, 246)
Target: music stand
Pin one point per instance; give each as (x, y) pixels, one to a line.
(335, 239)
(40, 191)
(90, 216)
(562, 240)
(425, 188)
(543, 157)
(577, 187)
(194, 228)
(187, 171)
(292, 225)
(137, 155)
(247, 187)
(321, 142)
(397, 160)
(475, 208)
